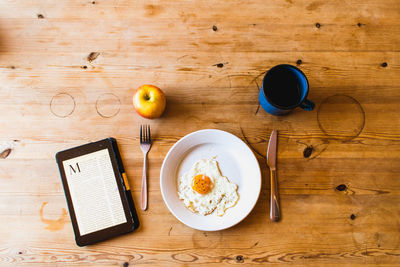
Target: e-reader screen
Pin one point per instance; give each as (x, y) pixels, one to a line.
(94, 191)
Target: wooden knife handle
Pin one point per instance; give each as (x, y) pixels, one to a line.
(275, 213)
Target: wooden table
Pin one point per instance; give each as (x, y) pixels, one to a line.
(68, 70)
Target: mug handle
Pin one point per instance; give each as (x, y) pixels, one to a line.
(307, 105)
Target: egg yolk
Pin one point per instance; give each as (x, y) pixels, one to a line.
(202, 184)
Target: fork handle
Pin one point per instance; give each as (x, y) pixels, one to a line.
(275, 213)
(144, 184)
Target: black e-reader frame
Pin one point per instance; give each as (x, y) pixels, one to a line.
(132, 221)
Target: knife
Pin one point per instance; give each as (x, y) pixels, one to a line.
(275, 213)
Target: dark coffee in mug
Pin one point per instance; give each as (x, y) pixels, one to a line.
(283, 88)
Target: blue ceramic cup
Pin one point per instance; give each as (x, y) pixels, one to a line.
(283, 89)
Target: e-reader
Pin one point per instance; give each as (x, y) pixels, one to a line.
(97, 191)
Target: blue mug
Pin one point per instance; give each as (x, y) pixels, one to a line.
(283, 89)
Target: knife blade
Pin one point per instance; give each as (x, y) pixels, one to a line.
(271, 152)
(275, 213)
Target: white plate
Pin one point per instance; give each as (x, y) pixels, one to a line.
(236, 161)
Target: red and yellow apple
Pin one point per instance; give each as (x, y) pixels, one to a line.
(149, 101)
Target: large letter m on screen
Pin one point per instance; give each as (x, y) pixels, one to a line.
(73, 170)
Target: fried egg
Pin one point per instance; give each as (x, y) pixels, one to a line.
(203, 189)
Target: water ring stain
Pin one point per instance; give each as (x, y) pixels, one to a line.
(53, 225)
(62, 105)
(108, 105)
(341, 117)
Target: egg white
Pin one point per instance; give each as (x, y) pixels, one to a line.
(222, 196)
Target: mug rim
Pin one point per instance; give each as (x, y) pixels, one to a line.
(293, 106)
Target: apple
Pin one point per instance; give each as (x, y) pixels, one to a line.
(149, 101)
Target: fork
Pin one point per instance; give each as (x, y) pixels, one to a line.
(145, 144)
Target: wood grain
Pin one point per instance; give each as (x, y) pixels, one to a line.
(337, 171)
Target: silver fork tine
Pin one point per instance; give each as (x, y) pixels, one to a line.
(145, 134)
(141, 134)
(149, 134)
